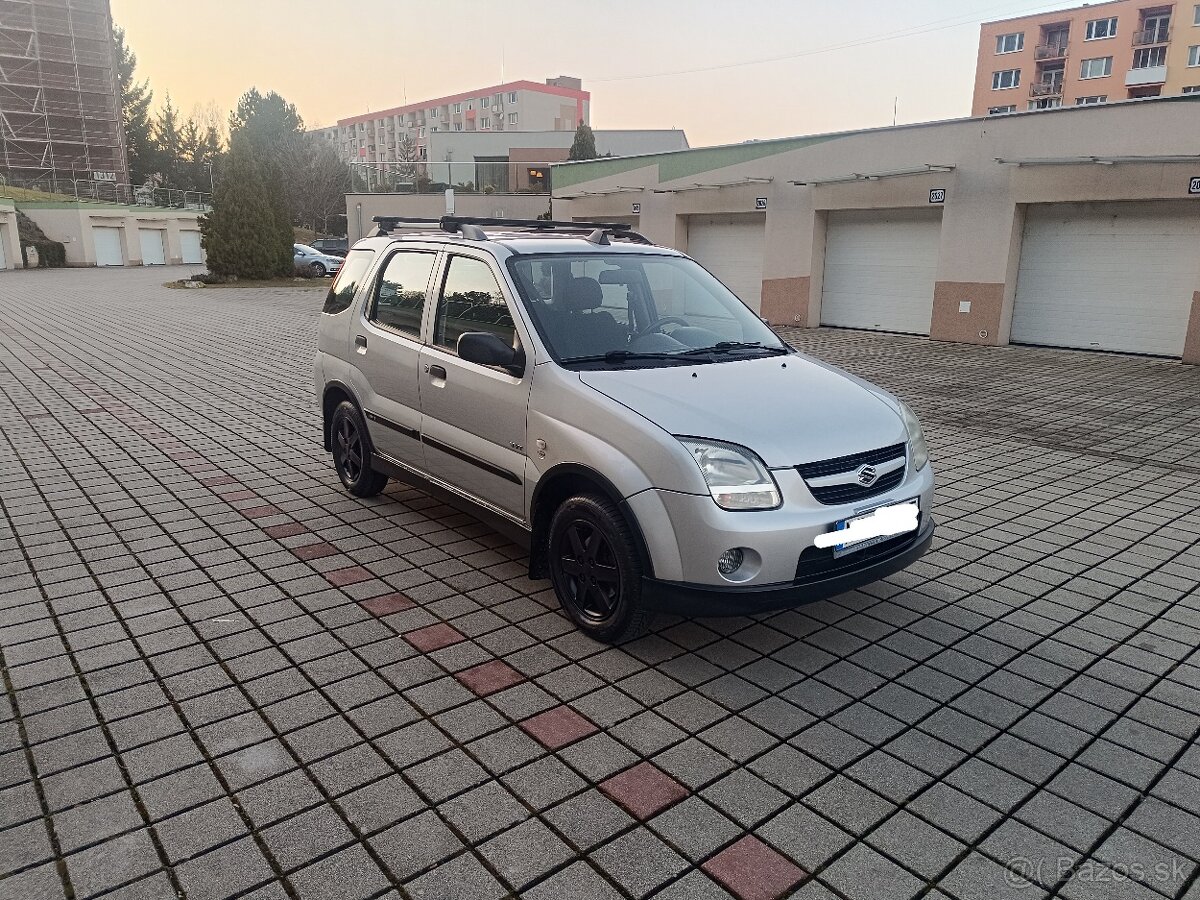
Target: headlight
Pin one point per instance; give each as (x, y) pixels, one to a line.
(916, 437)
(736, 478)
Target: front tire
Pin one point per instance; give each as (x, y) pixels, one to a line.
(318, 270)
(352, 453)
(596, 570)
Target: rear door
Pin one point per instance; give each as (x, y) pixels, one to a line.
(386, 344)
(475, 417)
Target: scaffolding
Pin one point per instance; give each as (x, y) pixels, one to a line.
(60, 107)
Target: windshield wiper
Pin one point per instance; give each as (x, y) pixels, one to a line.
(620, 356)
(727, 346)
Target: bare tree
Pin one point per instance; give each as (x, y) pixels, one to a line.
(325, 179)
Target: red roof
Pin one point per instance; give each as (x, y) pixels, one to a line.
(469, 95)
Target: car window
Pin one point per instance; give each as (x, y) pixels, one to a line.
(471, 301)
(400, 293)
(341, 292)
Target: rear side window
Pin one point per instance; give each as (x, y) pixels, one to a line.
(341, 292)
(400, 295)
(471, 301)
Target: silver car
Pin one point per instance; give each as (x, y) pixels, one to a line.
(320, 264)
(613, 406)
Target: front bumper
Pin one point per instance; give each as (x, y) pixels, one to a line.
(824, 578)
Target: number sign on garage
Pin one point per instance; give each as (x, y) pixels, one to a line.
(1108, 276)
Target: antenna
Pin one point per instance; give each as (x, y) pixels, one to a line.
(895, 107)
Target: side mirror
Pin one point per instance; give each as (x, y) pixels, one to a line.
(487, 349)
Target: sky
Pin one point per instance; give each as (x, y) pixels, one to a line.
(725, 71)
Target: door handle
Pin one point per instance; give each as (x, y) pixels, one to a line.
(437, 372)
(361, 341)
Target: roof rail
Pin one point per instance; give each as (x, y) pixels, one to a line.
(470, 226)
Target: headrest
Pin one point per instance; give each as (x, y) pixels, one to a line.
(583, 293)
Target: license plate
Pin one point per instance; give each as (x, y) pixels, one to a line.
(889, 532)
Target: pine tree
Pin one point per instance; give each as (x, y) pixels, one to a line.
(168, 144)
(242, 235)
(584, 145)
(135, 112)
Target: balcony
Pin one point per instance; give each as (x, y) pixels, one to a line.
(1044, 52)
(1147, 75)
(1149, 36)
(1046, 89)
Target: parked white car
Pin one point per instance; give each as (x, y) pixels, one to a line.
(321, 264)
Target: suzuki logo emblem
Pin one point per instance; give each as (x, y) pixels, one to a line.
(867, 476)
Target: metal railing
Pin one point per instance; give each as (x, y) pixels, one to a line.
(434, 176)
(1151, 36)
(1050, 51)
(1046, 89)
(89, 191)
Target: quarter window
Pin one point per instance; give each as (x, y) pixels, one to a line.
(1010, 43)
(1009, 78)
(341, 292)
(400, 295)
(471, 301)
(1096, 68)
(1101, 28)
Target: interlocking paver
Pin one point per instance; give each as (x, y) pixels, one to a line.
(186, 580)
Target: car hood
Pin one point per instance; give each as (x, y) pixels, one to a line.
(788, 410)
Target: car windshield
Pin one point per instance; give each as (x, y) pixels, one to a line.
(644, 309)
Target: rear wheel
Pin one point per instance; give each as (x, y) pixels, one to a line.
(351, 452)
(595, 569)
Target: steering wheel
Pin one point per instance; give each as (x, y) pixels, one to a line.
(657, 324)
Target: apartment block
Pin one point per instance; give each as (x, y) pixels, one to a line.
(560, 104)
(1096, 53)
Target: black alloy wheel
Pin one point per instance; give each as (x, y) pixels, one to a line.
(595, 568)
(352, 453)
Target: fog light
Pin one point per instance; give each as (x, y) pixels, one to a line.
(730, 561)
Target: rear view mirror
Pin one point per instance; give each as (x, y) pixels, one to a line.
(486, 349)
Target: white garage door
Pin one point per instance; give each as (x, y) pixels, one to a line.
(731, 247)
(880, 268)
(3, 235)
(153, 251)
(1108, 276)
(189, 242)
(108, 245)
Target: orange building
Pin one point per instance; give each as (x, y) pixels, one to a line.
(1097, 53)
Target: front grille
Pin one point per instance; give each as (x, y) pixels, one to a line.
(817, 563)
(852, 492)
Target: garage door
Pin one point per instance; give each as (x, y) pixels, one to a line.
(1108, 276)
(153, 251)
(189, 243)
(108, 246)
(3, 236)
(880, 268)
(731, 247)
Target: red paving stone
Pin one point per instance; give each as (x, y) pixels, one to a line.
(388, 604)
(288, 529)
(644, 790)
(316, 551)
(558, 727)
(433, 637)
(260, 512)
(750, 870)
(490, 677)
(348, 575)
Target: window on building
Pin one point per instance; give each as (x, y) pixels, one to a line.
(458, 126)
(471, 301)
(1194, 56)
(1149, 57)
(1001, 110)
(512, 96)
(485, 102)
(1010, 43)
(421, 131)
(485, 124)
(1091, 101)
(512, 118)
(1100, 67)
(1046, 103)
(1099, 29)
(433, 113)
(1006, 79)
(1156, 29)
(457, 108)
(1192, 89)
(1196, 15)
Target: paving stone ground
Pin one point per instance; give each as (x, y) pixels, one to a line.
(225, 677)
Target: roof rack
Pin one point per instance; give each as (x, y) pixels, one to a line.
(471, 227)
